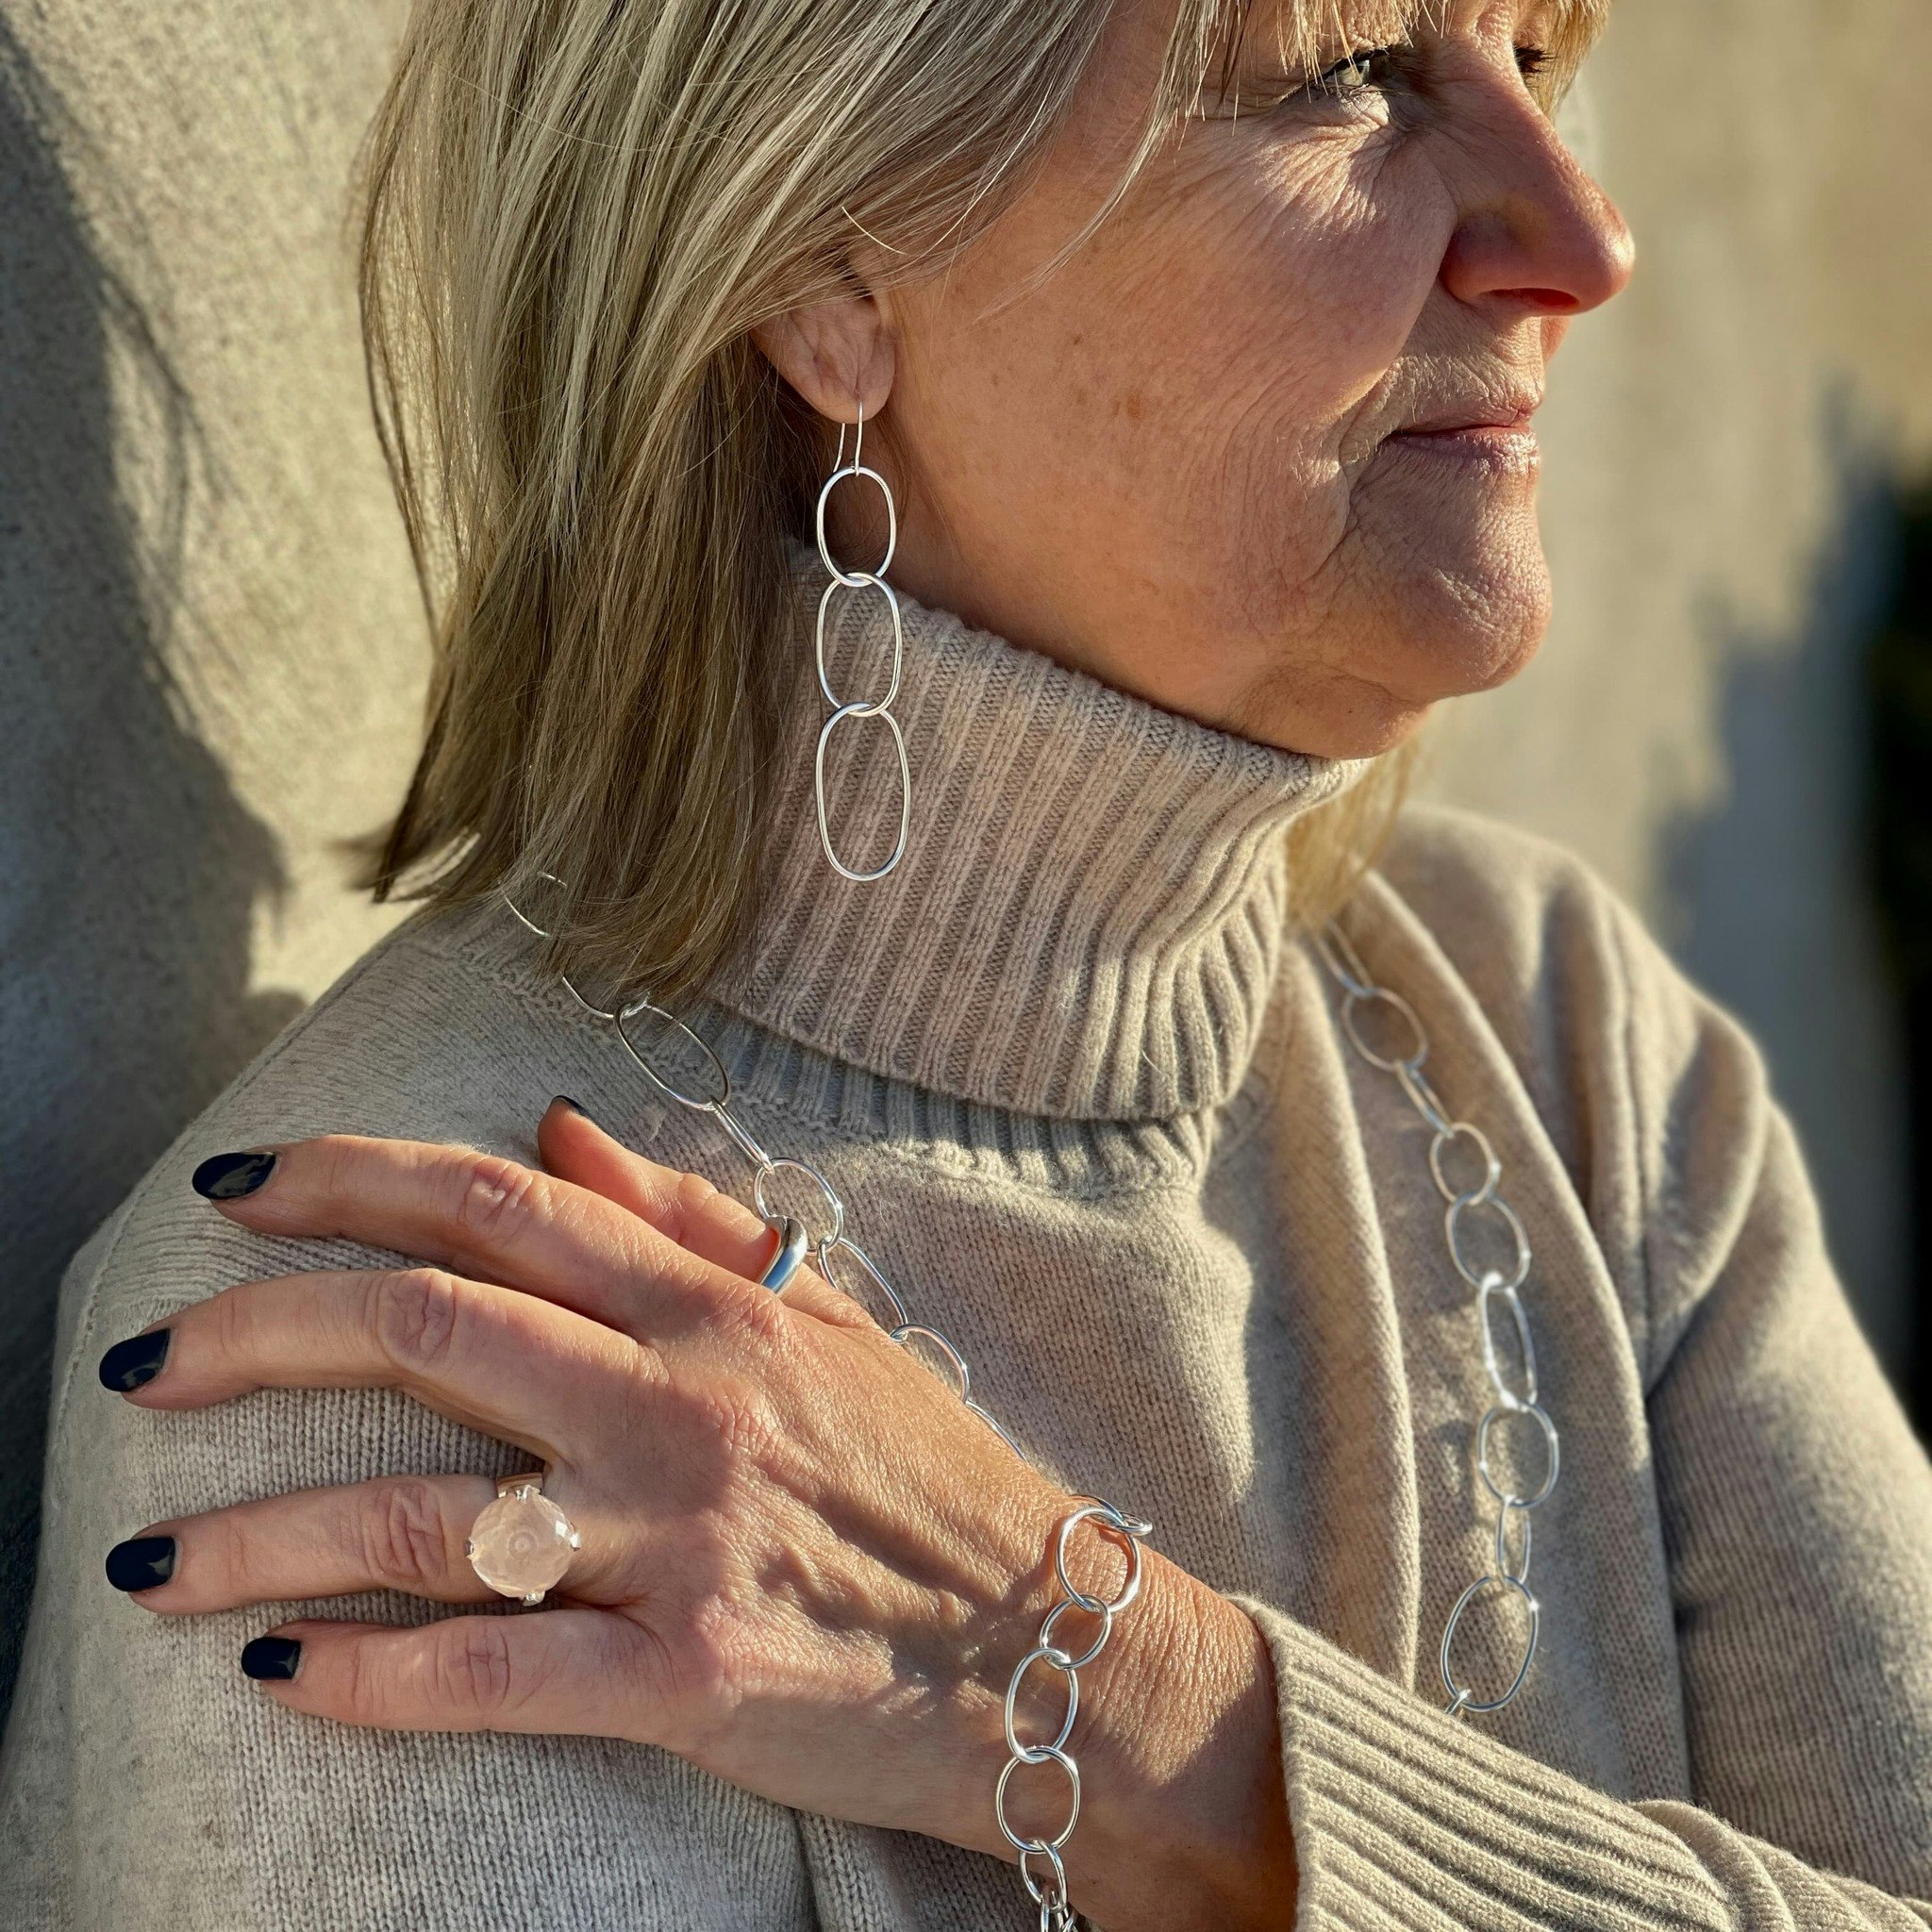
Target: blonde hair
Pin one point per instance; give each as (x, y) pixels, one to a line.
(577, 212)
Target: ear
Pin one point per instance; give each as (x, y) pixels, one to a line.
(839, 355)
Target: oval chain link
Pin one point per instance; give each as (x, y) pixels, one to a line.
(1050, 1894)
(1511, 1372)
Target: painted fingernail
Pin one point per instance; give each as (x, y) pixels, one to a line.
(228, 1176)
(271, 1657)
(140, 1562)
(576, 1106)
(130, 1364)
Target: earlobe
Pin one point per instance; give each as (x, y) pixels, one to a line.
(839, 355)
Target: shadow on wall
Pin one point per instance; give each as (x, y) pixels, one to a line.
(1776, 915)
(128, 870)
(1901, 686)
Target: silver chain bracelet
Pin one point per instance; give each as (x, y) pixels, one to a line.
(1049, 1893)
(1515, 1401)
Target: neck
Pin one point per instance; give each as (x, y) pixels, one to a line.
(1094, 896)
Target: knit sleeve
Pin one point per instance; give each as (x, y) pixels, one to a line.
(1797, 1515)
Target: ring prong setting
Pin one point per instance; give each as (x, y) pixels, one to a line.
(520, 1544)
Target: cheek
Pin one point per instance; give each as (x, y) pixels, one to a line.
(1188, 388)
(1253, 321)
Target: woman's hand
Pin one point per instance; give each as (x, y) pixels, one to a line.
(806, 1565)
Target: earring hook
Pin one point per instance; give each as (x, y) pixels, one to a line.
(858, 444)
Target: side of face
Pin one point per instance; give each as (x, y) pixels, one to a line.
(1260, 449)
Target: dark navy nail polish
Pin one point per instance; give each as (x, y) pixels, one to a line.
(140, 1562)
(129, 1364)
(271, 1657)
(576, 1106)
(228, 1176)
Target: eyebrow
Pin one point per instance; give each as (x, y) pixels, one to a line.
(1303, 30)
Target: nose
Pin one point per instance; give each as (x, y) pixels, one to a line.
(1535, 234)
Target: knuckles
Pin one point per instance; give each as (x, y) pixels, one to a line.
(739, 1418)
(761, 1318)
(403, 1537)
(230, 1317)
(691, 1199)
(492, 1195)
(236, 1561)
(470, 1669)
(416, 1316)
(462, 1675)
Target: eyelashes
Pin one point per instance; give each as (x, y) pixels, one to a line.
(1374, 70)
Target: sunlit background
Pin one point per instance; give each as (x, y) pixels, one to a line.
(210, 642)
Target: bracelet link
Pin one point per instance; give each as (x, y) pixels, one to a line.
(1049, 1892)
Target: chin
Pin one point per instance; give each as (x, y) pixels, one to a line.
(1469, 627)
(1388, 692)
(1350, 719)
(1463, 611)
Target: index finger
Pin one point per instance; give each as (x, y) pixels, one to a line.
(481, 1215)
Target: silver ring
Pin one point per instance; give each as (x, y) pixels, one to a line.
(521, 1543)
(792, 1244)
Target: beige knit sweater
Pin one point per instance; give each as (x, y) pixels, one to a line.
(1091, 1104)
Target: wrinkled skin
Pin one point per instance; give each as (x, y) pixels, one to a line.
(1259, 452)
(1184, 463)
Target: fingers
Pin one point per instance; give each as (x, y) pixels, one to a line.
(570, 1671)
(506, 1363)
(404, 1533)
(483, 1215)
(683, 1206)
(401, 1533)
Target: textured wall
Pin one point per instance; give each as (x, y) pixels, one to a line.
(210, 648)
(209, 642)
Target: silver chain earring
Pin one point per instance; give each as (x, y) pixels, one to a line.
(857, 708)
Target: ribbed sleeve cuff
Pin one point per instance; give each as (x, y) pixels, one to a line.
(1404, 1818)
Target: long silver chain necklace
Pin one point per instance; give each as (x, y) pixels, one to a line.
(651, 1036)
(1509, 1351)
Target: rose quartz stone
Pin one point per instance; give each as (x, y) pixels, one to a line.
(522, 1545)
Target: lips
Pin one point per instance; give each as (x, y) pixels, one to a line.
(1513, 413)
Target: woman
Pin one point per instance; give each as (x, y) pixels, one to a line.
(1196, 356)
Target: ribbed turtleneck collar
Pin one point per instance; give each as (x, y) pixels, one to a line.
(1092, 902)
